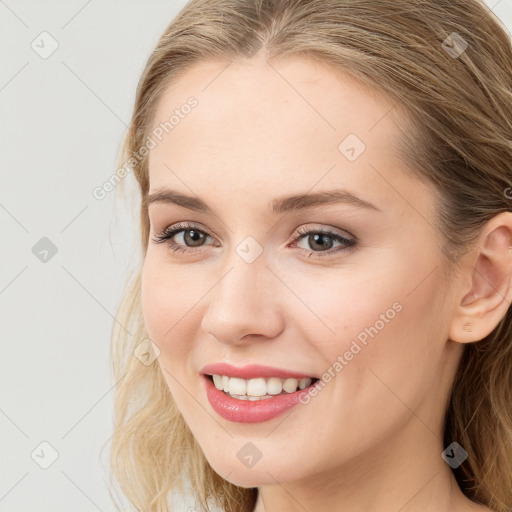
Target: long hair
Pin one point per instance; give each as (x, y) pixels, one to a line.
(447, 67)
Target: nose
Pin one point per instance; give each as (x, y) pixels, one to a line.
(244, 304)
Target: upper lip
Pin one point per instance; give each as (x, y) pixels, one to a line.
(252, 371)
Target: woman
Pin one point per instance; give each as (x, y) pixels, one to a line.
(320, 320)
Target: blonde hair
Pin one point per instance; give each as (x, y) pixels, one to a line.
(457, 135)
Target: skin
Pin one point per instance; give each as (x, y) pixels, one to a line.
(371, 439)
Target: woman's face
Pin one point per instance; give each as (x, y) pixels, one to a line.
(247, 288)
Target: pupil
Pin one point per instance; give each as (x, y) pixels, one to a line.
(196, 236)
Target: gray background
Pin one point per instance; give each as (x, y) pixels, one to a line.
(62, 119)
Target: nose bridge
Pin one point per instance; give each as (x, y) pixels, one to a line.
(244, 300)
(245, 275)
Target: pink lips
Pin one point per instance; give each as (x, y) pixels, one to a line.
(252, 371)
(245, 411)
(248, 411)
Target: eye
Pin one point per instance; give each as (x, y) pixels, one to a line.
(320, 240)
(191, 235)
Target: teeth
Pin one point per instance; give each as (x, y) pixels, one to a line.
(259, 388)
(274, 386)
(237, 386)
(256, 387)
(218, 381)
(304, 383)
(290, 385)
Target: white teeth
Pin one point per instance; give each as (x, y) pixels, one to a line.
(274, 386)
(237, 386)
(290, 385)
(218, 381)
(259, 388)
(256, 387)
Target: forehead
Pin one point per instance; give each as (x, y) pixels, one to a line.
(282, 126)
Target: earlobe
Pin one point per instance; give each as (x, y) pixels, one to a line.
(490, 290)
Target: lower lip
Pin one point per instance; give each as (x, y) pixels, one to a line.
(246, 411)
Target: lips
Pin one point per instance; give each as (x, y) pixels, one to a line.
(243, 411)
(253, 371)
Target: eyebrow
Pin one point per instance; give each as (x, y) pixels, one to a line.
(278, 206)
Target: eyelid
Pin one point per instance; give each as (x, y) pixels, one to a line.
(331, 231)
(187, 225)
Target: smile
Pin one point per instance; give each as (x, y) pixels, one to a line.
(254, 400)
(258, 388)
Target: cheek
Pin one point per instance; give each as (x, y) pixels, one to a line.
(392, 344)
(375, 323)
(165, 305)
(167, 313)
(384, 344)
(341, 309)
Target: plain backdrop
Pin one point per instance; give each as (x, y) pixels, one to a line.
(65, 254)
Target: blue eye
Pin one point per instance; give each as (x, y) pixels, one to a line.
(194, 238)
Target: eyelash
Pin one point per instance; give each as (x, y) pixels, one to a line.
(168, 233)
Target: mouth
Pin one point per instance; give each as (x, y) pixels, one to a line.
(257, 399)
(259, 388)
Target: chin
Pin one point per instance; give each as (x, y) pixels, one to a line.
(248, 479)
(255, 476)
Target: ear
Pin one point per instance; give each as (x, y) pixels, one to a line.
(487, 291)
